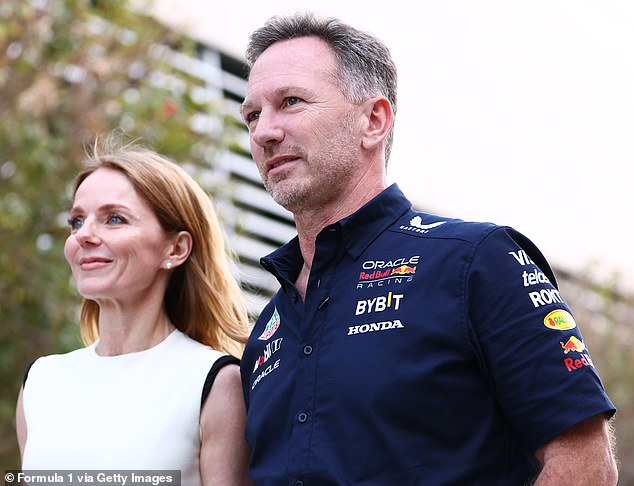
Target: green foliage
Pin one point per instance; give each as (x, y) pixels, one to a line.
(71, 70)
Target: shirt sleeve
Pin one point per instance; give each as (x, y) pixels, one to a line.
(532, 348)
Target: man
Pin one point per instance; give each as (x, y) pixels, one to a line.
(402, 348)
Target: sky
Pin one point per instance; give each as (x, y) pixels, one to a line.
(520, 113)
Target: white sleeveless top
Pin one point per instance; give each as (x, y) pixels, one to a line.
(137, 411)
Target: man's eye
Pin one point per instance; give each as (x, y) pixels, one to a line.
(292, 100)
(253, 116)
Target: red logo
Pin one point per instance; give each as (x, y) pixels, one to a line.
(577, 364)
(377, 274)
(573, 344)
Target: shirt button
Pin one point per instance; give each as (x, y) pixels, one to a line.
(302, 417)
(308, 350)
(299, 483)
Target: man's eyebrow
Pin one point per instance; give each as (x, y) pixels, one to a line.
(292, 89)
(278, 93)
(244, 106)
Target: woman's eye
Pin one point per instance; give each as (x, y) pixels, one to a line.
(115, 219)
(75, 223)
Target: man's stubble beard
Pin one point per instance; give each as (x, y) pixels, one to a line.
(328, 172)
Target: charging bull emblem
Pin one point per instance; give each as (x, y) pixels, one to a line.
(573, 344)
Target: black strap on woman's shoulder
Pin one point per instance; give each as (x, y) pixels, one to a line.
(211, 376)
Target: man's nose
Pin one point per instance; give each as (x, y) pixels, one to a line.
(268, 129)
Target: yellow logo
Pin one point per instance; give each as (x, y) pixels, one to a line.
(560, 319)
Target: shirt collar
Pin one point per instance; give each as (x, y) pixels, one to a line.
(358, 231)
(362, 227)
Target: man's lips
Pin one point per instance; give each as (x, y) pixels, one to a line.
(280, 160)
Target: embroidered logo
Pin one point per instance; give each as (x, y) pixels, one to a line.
(560, 319)
(576, 364)
(269, 350)
(573, 344)
(375, 326)
(378, 273)
(417, 222)
(416, 225)
(271, 326)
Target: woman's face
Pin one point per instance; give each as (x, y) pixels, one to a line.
(116, 246)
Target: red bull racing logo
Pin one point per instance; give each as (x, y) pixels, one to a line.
(582, 359)
(576, 364)
(379, 273)
(404, 270)
(573, 344)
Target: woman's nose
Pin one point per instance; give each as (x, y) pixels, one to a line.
(87, 233)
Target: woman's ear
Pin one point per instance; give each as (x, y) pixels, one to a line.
(180, 249)
(379, 115)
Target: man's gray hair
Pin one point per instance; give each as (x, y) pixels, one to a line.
(364, 64)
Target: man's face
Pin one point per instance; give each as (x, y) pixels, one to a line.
(305, 137)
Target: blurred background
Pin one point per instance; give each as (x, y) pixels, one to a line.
(517, 114)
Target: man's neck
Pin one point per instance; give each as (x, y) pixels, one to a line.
(310, 223)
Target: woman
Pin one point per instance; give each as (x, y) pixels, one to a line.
(162, 316)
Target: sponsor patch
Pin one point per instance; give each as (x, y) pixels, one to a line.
(522, 258)
(379, 304)
(416, 225)
(404, 270)
(379, 273)
(573, 344)
(546, 297)
(375, 326)
(271, 326)
(383, 264)
(269, 350)
(533, 278)
(576, 364)
(560, 320)
(270, 368)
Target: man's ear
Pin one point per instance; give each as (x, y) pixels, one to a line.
(180, 249)
(379, 116)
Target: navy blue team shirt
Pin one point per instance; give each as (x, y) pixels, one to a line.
(428, 351)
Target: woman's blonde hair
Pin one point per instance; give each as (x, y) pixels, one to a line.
(202, 298)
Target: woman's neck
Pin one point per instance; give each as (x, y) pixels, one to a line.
(124, 331)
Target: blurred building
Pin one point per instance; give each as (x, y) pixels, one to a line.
(256, 225)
